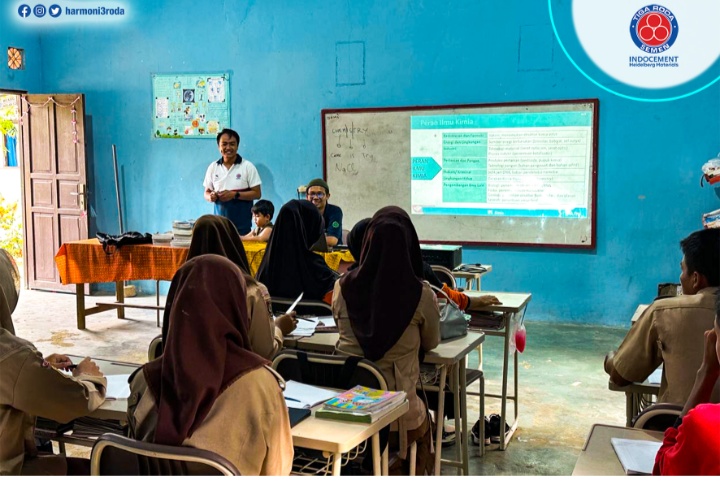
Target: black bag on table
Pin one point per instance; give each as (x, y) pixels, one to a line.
(111, 243)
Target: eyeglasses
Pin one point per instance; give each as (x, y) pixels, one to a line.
(316, 194)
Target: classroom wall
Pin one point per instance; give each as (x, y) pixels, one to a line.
(282, 57)
(13, 35)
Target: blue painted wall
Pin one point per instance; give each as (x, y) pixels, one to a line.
(282, 60)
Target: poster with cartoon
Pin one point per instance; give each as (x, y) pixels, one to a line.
(190, 105)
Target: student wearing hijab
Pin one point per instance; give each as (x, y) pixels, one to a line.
(355, 240)
(289, 267)
(208, 390)
(213, 234)
(386, 313)
(30, 386)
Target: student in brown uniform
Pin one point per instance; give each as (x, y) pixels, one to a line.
(208, 389)
(386, 313)
(671, 330)
(31, 386)
(213, 234)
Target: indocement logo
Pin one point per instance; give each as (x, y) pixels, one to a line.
(641, 51)
(654, 29)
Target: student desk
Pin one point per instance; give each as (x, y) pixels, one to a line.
(512, 303)
(446, 354)
(82, 262)
(598, 457)
(635, 393)
(330, 436)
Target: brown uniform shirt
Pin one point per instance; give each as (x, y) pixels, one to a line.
(265, 338)
(671, 332)
(400, 365)
(248, 424)
(29, 387)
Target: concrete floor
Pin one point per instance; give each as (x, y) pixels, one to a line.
(563, 388)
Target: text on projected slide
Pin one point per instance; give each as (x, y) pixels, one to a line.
(529, 164)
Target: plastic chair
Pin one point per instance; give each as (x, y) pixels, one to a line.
(304, 307)
(115, 455)
(333, 371)
(444, 275)
(657, 417)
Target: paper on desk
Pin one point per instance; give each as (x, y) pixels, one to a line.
(656, 376)
(300, 395)
(117, 386)
(636, 456)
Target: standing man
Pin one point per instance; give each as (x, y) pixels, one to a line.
(232, 183)
(671, 331)
(318, 193)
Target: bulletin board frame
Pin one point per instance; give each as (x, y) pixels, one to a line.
(190, 105)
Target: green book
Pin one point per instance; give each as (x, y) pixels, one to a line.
(364, 418)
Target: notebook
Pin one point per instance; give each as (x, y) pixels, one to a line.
(297, 415)
(636, 456)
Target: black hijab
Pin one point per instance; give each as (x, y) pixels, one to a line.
(355, 239)
(213, 234)
(383, 292)
(289, 267)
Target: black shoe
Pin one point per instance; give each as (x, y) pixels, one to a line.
(493, 428)
(448, 438)
(475, 433)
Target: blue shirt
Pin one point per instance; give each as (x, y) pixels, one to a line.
(333, 221)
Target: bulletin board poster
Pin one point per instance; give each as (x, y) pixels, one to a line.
(190, 106)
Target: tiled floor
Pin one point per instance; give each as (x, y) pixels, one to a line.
(563, 389)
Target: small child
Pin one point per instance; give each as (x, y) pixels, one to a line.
(263, 212)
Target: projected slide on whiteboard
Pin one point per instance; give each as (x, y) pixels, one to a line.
(521, 165)
(518, 174)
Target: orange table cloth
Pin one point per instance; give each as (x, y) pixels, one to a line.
(85, 261)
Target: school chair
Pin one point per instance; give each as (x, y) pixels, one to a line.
(339, 372)
(658, 416)
(444, 275)
(156, 348)
(115, 455)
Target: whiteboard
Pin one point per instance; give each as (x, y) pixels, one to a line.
(517, 174)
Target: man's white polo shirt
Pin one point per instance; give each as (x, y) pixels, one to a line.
(241, 176)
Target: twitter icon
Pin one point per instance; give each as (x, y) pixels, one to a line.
(55, 11)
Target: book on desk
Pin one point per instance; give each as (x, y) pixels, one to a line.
(360, 404)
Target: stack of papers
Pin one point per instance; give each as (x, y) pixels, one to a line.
(307, 326)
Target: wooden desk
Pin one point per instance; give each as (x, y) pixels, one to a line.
(472, 278)
(512, 303)
(598, 457)
(445, 355)
(82, 262)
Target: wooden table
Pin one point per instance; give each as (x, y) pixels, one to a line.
(598, 457)
(636, 396)
(82, 262)
(445, 355)
(512, 304)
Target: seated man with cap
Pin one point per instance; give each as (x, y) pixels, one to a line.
(318, 193)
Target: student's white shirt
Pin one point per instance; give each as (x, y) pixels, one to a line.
(239, 177)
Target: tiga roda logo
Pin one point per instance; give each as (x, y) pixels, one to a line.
(654, 29)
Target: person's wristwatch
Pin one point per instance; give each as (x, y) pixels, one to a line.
(237, 195)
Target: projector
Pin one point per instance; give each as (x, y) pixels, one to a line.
(443, 255)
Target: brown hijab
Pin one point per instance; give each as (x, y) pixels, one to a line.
(206, 348)
(213, 234)
(383, 292)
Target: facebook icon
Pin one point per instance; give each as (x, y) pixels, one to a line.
(23, 10)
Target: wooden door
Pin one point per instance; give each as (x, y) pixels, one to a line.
(52, 138)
